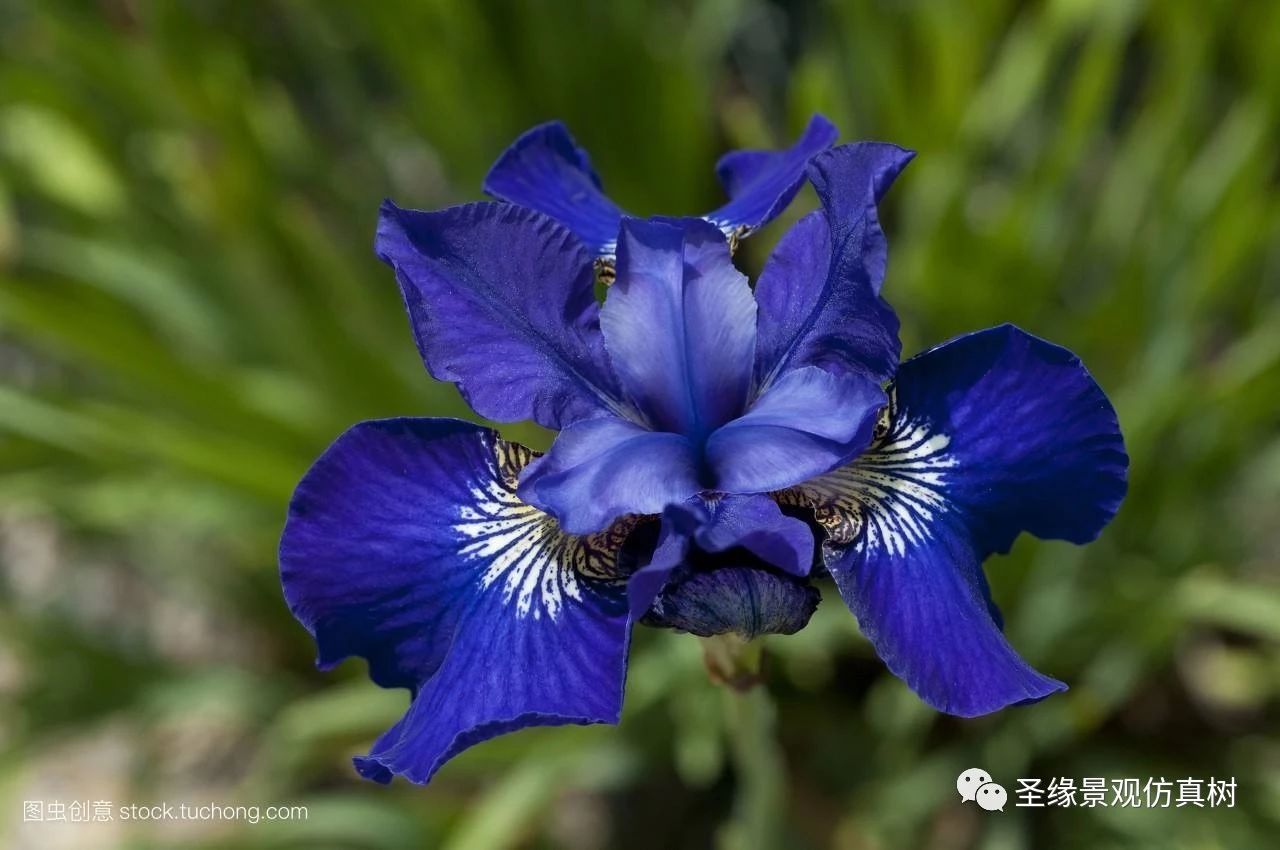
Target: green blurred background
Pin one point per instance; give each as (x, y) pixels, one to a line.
(190, 311)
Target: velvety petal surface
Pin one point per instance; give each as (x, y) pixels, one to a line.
(819, 291)
(680, 326)
(991, 434)
(761, 183)
(805, 424)
(407, 545)
(502, 303)
(546, 170)
(602, 469)
(1038, 439)
(924, 611)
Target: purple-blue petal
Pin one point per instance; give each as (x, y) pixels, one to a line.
(1038, 440)
(761, 183)
(502, 303)
(819, 291)
(754, 523)
(602, 469)
(850, 180)
(680, 326)
(805, 424)
(407, 545)
(546, 170)
(715, 525)
(924, 611)
(991, 434)
(669, 554)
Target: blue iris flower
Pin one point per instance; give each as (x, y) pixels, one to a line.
(719, 447)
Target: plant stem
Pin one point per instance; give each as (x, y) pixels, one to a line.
(734, 661)
(759, 809)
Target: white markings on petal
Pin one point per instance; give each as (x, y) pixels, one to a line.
(527, 557)
(889, 497)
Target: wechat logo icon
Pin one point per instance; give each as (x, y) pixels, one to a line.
(975, 786)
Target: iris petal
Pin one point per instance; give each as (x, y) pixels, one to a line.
(502, 303)
(991, 434)
(546, 170)
(599, 470)
(850, 181)
(807, 423)
(761, 183)
(819, 292)
(754, 523)
(701, 525)
(680, 326)
(923, 610)
(669, 554)
(407, 545)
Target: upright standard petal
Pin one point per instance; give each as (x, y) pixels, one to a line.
(819, 293)
(761, 183)
(502, 303)
(680, 326)
(407, 545)
(807, 423)
(602, 469)
(988, 435)
(546, 170)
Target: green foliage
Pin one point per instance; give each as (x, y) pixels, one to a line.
(190, 311)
